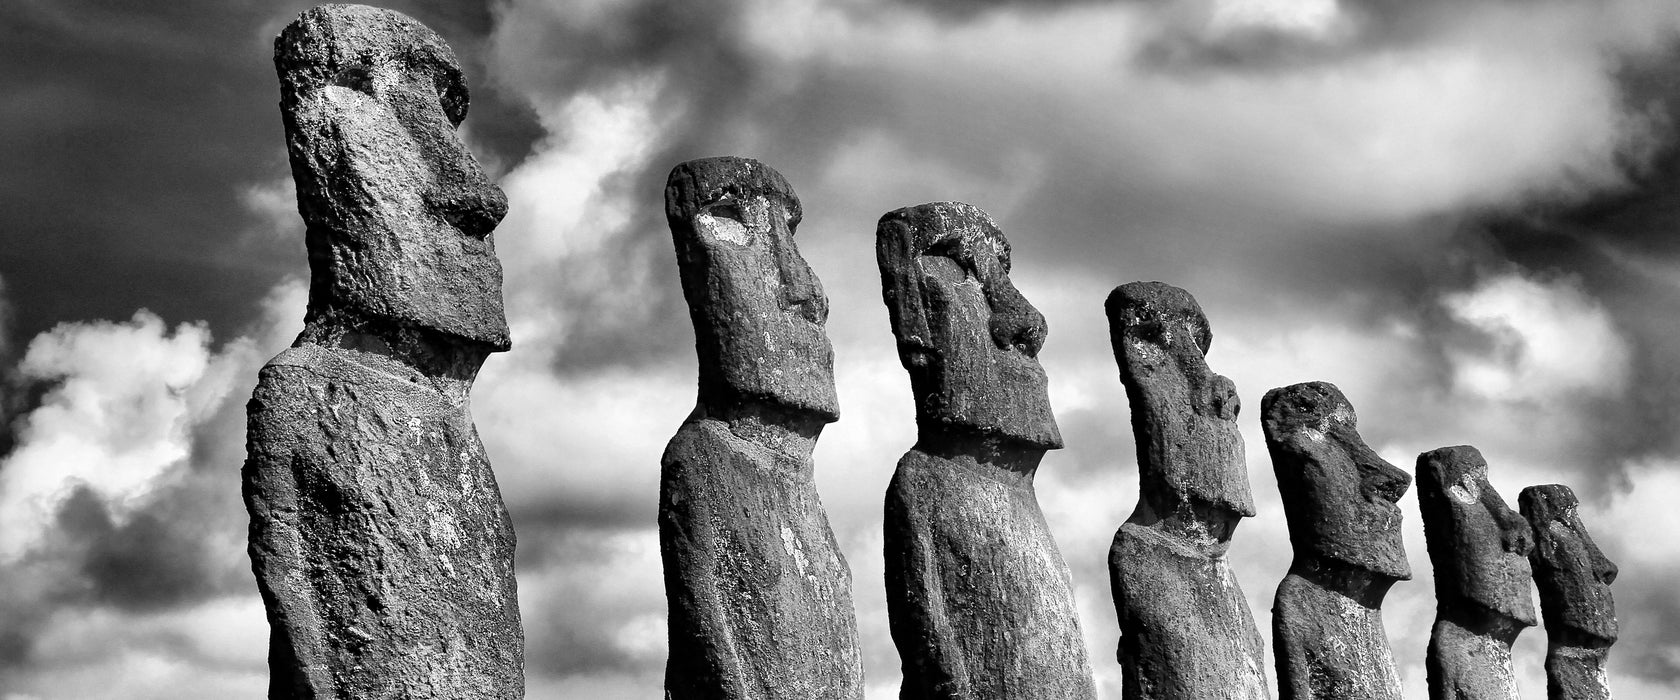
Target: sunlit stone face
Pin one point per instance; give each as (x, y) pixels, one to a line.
(1339, 495)
(757, 308)
(399, 213)
(966, 335)
(1574, 577)
(1478, 545)
(1190, 453)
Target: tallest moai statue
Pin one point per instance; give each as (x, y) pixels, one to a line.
(378, 536)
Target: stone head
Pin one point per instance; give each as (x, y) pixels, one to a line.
(1574, 577)
(757, 308)
(1338, 494)
(399, 213)
(968, 338)
(1478, 546)
(1183, 415)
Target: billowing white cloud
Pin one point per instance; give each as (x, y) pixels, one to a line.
(1539, 340)
(135, 410)
(118, 419)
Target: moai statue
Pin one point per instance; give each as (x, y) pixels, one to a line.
(760, 597)
(980, 602)
(1574, 580)
(378, 536)
(1339, 497)
(1479, 548)
(1185, 628)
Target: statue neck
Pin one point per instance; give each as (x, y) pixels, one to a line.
(445, 363)
(786, 431)
(1011, 460)
(1363, 586)
(1203, 528)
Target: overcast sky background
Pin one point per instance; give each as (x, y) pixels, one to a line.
(1462, 213)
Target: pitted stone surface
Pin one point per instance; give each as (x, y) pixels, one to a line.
(378, 536)
(1339, 497)
(979, 599)
(1574, 579)
(759, 594)
(1185, 627)
(1479, 549)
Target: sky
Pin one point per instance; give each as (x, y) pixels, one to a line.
(1461, 213)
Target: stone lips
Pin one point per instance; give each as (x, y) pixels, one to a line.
(757, 308)
(1339, 498)
(979, 599)
(378, 536)
(399, 215)
(966, 335)
(1574, 579)
(758, 592)
(1185, 627)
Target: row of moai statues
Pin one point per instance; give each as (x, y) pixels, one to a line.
(979, 600)
(384, 554)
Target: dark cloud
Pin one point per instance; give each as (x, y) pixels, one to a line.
(132, 133)
(154, 561)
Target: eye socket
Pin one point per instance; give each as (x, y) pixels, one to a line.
(726, 210)
(355, 77)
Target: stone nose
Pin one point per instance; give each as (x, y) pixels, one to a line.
(473, 211)
(1015, 322)
(1603, 569)
(802, 292)
(1383, 480)
(461, 193)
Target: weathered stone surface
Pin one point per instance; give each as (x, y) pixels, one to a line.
(1574, 579)
(760, 596)
(1185, 627)
(979, 599)
(378, 536)
(1339, 497)
(1479, 548)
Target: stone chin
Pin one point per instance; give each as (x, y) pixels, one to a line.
(1599, 629)
(1007, 411)
(1383, 558)
(800, 378)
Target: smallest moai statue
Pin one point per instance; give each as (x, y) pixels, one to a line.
(1339, 497)
(1574, 580)
(1479, 548)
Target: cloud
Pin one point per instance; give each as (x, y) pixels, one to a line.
(123, 534)
(125, 398)
(1540, 341)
